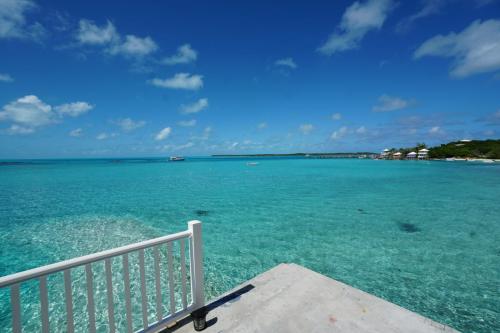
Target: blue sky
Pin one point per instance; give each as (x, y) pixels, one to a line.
(150, 78)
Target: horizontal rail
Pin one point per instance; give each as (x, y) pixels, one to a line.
(71, 263)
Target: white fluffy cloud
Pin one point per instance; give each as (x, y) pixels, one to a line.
(185, 54)
(77, 132)
(163, 134)
(287, 62)
(357, 21)
(30, 112)
(180, 81)
(435, 130)
(187, 123)
(12, 17)
(195, 107)
(128, 125)
(339, 134)
(474, 50)
(336, 116)
(134, 46)
(207, 132)
(430, 7)
(13, 21)
(92, 34)
(205, 135)
(306, 128)
(388, 103)
(102, 136)
(361, 130)
(16, 129)
(433, 7)
(113, 43)
(74, 109)
(6, 78)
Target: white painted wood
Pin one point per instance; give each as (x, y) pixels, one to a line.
(126, 287)
(109, 293)
(193, 234)
(171, 285)
(16, 308)
(159, 310)
(80, 261)
(191, 270)
(70, 327)
(44, 304)
(144, 295)
(197, 279)
(90, 298)
(183, 273)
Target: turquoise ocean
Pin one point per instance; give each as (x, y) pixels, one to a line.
(422, 234)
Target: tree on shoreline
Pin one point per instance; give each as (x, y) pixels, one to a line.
(467, 149)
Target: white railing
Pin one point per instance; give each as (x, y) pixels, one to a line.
(192, 235)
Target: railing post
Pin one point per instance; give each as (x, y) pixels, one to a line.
(197, 278)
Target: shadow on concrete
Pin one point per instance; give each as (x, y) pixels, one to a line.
(226, 300)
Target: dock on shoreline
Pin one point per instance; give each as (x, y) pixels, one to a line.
(290, 298)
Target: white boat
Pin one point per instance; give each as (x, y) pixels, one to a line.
(176, 158)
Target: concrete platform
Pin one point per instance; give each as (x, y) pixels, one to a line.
(290, 298)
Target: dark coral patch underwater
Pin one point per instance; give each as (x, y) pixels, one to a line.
(408, 227)
(201, 212)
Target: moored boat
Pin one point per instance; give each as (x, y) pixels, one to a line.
(176, 158)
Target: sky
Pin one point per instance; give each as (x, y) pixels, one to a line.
(90, 79)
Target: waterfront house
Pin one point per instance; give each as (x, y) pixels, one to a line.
(385, 154)
(396, 156)
(423, 154)
(411, 155)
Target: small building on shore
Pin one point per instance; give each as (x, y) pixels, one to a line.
(385, 154)
(411, 156)
(396, 156)
(423, 154)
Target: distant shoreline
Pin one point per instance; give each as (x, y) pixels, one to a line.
(357, 154)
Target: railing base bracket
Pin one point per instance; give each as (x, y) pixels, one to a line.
(172, 324)
(199, 319)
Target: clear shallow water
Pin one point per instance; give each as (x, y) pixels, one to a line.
(424, 235)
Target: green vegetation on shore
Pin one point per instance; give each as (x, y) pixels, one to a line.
(463, 149)
(470, 149)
